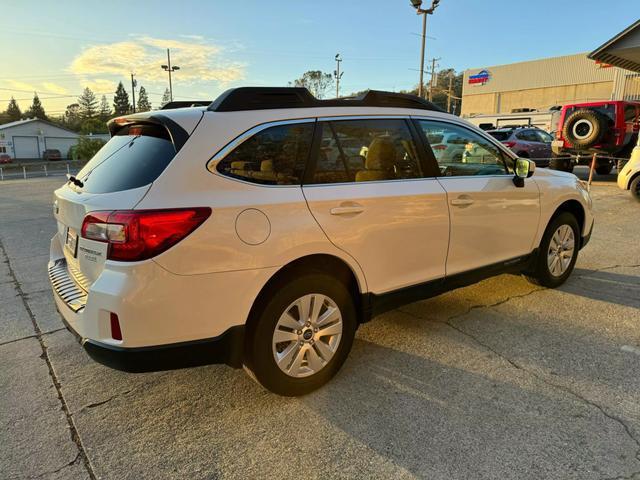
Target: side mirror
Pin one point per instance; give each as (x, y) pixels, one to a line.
(524, 169)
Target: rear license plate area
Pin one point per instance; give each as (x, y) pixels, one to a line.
(71, 242)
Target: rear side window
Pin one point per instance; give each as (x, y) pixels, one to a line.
(274, 156)
(132, 158)
(366, 150)
(500, 136)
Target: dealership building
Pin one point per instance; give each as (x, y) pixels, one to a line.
(543, 84)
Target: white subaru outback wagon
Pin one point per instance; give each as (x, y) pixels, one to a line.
(261, 229)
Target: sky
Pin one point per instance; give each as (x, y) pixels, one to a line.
(58, 48)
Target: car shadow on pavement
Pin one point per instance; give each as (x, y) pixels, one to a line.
(478, 419)
(605, 286)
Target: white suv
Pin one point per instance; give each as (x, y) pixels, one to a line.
(260, 231)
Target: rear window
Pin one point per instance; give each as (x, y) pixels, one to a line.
(500, 136)
(132, 158)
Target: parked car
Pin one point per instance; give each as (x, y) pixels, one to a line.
(629, 176)
(5, 158)
(609, 128)
(220, 234)
(51, 154)
(526, 142)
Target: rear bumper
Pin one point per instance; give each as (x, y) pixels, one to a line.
(224, 349)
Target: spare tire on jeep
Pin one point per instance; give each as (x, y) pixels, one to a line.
(584, 128)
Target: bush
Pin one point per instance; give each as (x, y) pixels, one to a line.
(88, 147)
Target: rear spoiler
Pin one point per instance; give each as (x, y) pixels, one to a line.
(179, 135)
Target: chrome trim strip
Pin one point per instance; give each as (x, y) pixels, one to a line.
(72, 294)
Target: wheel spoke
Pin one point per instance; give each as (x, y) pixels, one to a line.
(287, 320)
(329, 316)
(304, 307)
(316, 362)
(284, 358)
(318, 302)
(284, 336)
(332, 329)
(297, 360)
(324, 349)
(554, 264)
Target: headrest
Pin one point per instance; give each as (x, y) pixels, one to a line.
(382, 154)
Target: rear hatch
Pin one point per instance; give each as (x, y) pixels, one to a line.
(116, 178)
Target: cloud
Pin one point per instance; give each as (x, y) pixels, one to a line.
(18, 85)
(100, 86)
(198, 60)
(51, 87)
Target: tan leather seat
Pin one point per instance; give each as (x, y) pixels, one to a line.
(380, 161)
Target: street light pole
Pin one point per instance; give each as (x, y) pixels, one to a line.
(169, 68)
(424, 36)
(338, 74)
(424, 12)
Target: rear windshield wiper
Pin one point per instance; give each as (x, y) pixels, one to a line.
(75, 181)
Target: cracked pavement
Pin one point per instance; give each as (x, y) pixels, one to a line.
(499, 380)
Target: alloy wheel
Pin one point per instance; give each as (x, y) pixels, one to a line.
(307, 335)
(561, 250)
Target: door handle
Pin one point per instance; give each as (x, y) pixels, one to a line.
(346, 210)
(462, 202)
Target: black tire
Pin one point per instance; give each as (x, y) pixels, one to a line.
(564, 164)
(584, 128)
(540, 273)
(604, 169)
(634, 188)
(259, 353)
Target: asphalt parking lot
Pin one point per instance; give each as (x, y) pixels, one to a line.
(500, 380)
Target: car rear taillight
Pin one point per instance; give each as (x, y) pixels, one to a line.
(440, 146)
(509, 144)
(135, 235)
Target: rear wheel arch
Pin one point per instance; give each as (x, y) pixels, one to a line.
(316, 263)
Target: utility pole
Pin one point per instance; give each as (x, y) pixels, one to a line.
(424, 12)
(338, 74)
(450, 92)
(434, 78)
(134, 83)
(169, 68)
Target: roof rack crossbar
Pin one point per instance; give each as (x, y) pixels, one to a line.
(265, 98)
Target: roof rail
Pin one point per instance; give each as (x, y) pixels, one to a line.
(184, 104)
(266, 98)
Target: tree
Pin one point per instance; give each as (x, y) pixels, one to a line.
(88, 104)
(143, 100)
(71, 118)
(93, 125)
(36, 110)
(316, 82)
(13, 110)
(440, 94)
(166, 97)
(104, 110)
(121, 101)
(88, 147)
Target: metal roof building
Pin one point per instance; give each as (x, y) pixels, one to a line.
(544, 83)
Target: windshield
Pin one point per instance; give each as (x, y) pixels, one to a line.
(134, 157)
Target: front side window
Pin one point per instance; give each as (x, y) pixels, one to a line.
(528, 136)
(463, 152)
(364, 151)
(630, 113)
(544, 136)
(274, 156)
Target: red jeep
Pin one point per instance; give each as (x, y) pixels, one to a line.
(608, 128)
